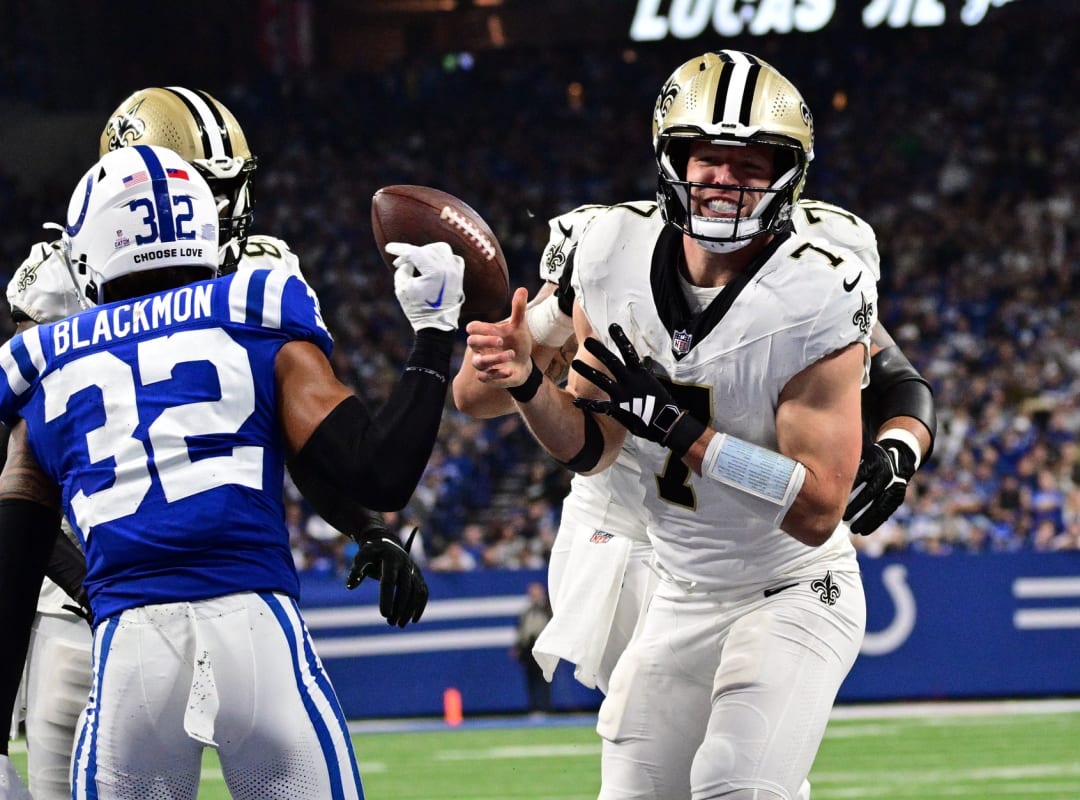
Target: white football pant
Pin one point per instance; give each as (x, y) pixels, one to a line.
(718, 698)
(237, 673)
(599, 584)
(57, 684)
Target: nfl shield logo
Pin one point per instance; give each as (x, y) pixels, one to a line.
(680, 342)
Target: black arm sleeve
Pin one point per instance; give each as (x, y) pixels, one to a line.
(898, 390)
(378, 461)
(334, 504)
(27, 532)
(67, 567)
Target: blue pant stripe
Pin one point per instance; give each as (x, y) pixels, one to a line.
(322, 731)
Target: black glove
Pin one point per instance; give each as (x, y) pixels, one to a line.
(67, 569)
(81, 606)
(638, 400)
(403, 592)
(880, 484)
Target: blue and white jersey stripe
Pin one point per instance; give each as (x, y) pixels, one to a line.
(22, 360)
(255, 297)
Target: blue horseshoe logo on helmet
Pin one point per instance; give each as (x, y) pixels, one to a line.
(72, 230)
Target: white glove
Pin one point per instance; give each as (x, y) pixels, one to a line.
(428, 283)
(11, 785)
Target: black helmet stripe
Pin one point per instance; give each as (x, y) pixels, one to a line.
(722, 87)
(735, 89)
(748, 93)
(212, 128)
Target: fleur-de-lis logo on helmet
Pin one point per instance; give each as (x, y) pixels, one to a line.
(864, 316)
(126, 128)
(664, 100)
(828, 592)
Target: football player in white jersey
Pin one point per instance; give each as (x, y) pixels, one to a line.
(160, 418)
(206, 134)
(599, 577)
(745, 415)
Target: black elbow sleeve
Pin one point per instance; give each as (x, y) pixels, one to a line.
(336, 468)
(898, 390)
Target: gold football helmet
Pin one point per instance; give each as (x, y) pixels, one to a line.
(730, 97)
(203, 132)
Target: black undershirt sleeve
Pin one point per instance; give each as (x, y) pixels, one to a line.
(27, 533)
(378, 460)
(898, 390)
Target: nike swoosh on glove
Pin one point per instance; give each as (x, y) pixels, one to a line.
(637, 398)
(428, 283)
(881, 482)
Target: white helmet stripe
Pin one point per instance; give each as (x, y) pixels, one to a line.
(210, 126)
(740, 83)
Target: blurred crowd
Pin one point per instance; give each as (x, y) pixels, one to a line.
(966, 168)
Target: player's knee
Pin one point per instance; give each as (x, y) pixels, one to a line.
(755, 793)
(715, 776)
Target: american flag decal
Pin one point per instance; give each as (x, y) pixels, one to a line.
(138, 177)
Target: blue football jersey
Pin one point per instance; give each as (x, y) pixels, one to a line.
(157, 417)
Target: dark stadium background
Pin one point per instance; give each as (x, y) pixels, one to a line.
(959, 143)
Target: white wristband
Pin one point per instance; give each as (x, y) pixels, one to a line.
(770, 479)
(908, 438)
(547, 323)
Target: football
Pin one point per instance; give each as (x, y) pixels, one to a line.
(420, 215)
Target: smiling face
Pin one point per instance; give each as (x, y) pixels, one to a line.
(732, 172)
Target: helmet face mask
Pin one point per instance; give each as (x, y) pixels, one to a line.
(730, 98)
(205, 134)
(138, 209)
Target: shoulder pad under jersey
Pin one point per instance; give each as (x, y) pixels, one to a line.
(566, 229)
(837, 225)
(562, 238)
(268, 252)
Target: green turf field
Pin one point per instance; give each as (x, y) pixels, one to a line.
(1013, 751)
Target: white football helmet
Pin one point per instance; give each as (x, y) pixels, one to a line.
(205, 133)
(137, 209)
(730, 97)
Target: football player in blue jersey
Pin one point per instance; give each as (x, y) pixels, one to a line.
(159, 420)
(205, 133)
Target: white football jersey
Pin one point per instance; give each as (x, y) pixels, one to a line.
(727, 365)
(565, 230)
(810, 218)
(838, 226)
(608, 501)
